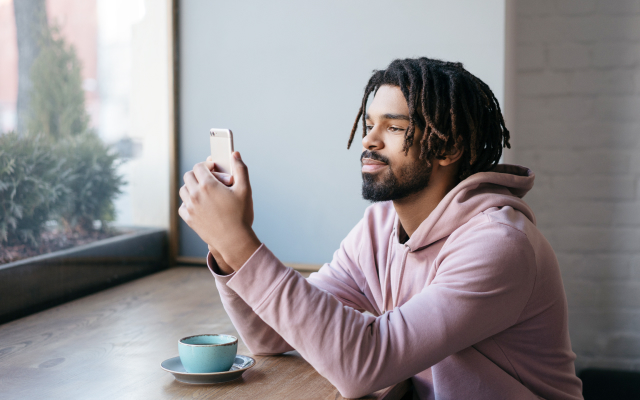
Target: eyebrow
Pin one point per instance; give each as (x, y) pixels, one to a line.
(391, 116)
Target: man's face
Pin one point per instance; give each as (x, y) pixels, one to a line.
(387, 173)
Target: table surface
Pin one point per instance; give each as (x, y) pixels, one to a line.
(110, 345)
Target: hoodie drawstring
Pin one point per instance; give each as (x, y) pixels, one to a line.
(403, 263)
(386, 277)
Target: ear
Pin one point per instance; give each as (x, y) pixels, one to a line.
(454, 155)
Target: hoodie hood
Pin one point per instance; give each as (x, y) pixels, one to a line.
(505, 185)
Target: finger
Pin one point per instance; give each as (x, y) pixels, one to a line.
(209, 158)
(224, 178)
(240, 171)
(184, 214)
(202, 172)
(211, 165)
(190, 181)
(214, 167)
(184, 194)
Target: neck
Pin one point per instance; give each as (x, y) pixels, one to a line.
(414, 209)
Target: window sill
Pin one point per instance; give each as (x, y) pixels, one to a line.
(34, 284)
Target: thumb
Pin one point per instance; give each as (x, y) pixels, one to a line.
(240, 171)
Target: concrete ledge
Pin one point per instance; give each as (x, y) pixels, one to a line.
(34, 284)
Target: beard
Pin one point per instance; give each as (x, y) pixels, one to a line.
(388, 185)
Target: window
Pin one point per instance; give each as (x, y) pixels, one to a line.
(85, 108)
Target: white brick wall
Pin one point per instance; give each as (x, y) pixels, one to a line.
(577, 126)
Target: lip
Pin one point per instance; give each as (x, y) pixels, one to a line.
(369, 165)
(231, 343)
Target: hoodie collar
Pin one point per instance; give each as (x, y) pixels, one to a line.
(505, 185)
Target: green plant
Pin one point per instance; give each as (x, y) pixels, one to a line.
(57, 105)
(59, 169)
(33, 186)
(93, 181)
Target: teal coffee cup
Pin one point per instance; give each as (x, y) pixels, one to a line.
(207, 353)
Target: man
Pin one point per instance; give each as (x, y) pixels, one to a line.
(463, 292)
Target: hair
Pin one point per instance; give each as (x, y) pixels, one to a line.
(453, 108)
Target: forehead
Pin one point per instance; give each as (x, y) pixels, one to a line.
(388, 100)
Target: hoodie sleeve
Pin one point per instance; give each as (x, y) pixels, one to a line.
(336, 278)
(485, 277)
(259, 337)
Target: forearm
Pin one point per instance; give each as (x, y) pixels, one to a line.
(259, 337)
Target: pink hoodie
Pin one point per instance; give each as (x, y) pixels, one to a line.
(470, 307)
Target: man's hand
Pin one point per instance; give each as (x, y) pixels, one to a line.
(221, 215)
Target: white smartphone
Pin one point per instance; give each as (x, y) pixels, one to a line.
(221, 141)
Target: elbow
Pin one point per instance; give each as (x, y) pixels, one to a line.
(265, 352)
(353, 388)
(267, 348)
(353, 380)
(353, 391)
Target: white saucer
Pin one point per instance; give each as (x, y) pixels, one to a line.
(241, 364)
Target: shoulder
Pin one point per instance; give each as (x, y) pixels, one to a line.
(494, 244)
(494, 224)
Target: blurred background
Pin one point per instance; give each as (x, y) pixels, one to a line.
(120, 49)
(287, 78)
(573, 78)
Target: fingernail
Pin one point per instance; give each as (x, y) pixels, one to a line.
(237, 155)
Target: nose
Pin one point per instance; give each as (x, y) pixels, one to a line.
(373, 140)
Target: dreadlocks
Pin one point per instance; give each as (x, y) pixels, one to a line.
(451, 106)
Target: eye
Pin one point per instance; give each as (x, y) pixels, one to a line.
(396, 129)
(369, 128)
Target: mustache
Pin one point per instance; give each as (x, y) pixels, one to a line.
(374, 156)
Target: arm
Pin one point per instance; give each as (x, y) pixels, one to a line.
(259, 337)
(471, 298)
(335, 278)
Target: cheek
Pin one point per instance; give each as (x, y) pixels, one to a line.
(396, 146)
(399, 167)
(409, 168)
(404, 161)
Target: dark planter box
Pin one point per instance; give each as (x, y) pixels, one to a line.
(34, 284)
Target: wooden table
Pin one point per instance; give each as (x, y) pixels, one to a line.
(110, 345)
